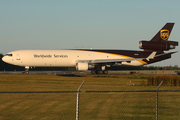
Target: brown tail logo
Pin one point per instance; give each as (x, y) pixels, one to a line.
(164, 34)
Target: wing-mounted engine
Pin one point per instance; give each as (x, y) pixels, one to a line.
(82, 66)
(157, 46)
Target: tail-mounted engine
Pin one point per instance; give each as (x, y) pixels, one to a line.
(157, 46)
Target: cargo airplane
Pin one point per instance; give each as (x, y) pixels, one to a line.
(97, 60)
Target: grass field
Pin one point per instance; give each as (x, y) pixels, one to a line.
(101, 106)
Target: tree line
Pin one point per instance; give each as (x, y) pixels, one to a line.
(7, 67)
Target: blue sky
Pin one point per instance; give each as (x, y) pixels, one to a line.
(85, 24)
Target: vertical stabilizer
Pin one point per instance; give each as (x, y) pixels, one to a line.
(164, 33)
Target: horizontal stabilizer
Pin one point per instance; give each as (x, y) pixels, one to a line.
(165, 54)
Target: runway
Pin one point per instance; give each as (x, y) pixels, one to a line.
(76, 73)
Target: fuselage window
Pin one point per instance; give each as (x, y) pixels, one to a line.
(9, 55)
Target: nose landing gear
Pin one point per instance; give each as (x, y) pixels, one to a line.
(26, 70)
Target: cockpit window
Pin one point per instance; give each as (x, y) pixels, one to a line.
(9, 55)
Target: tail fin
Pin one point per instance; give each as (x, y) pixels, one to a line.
(159, 41)
(164, 33)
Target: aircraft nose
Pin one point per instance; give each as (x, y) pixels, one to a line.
(4, 59)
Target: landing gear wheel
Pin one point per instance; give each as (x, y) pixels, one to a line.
(96, 71)
(93, 72)
(105, 72)
(100, 72)
(27, 71)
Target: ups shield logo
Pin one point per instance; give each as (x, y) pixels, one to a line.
(164, 34)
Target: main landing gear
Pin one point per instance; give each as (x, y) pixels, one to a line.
(99, 72)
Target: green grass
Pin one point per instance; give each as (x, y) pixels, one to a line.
(92, 106)
(145, 72)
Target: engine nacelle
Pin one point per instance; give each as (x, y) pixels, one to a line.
(82, 66)
(157, 46)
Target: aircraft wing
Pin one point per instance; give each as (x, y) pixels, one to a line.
(151, 56)
(113, 60)
(109, 61)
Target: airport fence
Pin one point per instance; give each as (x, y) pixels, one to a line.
(90, 105)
